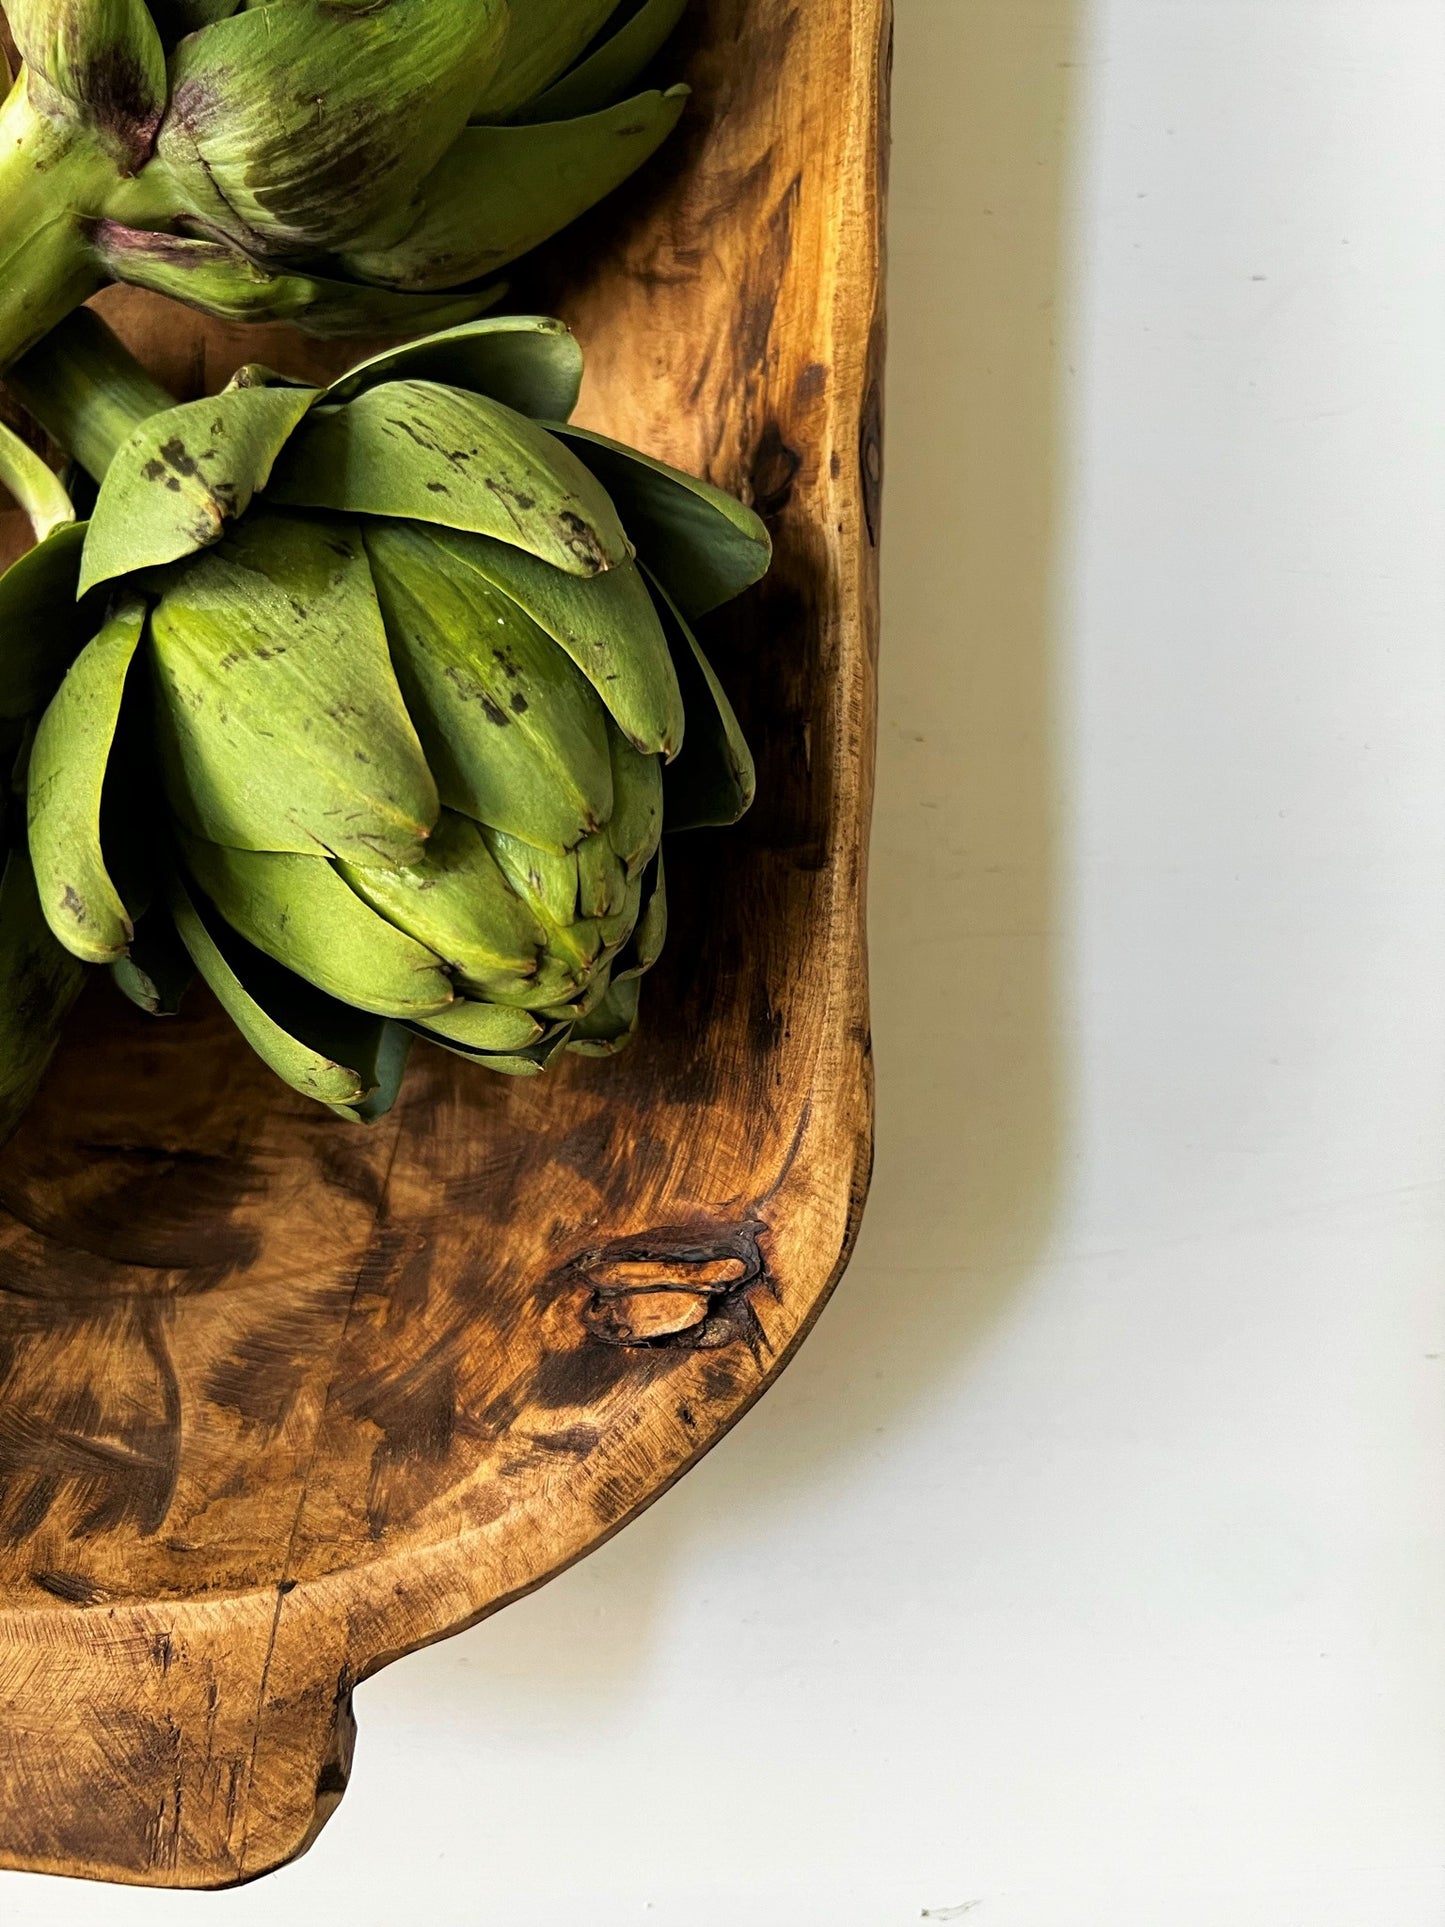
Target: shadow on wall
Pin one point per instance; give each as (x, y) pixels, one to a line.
(964, 914)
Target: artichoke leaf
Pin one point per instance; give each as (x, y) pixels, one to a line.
(39, 981)
(386, 1061)
(65, 785)
(183, 474)
(42, 624)
(576, 944)
(592, 994)
(549, 884)
(105, 62)
(543, 879)
(485, 1027)
(606, 623)
(280, 722)
(302, 915)
(501, 191)
(159, 970)
(457, 902)
(424, 452)
(611, 1026)
(611, 67)
(701, 543)
(528, 1063)
(713, 781)
(219, 280)
(513, 731)
(321, 1048)
(646, 943)
(601, 878)
(615, 928)
(291, 126)
(532, 363)
(544, 37)
(635, 827)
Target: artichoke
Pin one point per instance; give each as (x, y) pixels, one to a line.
(341, 164)
(402, 668)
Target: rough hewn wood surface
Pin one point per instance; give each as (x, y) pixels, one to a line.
(281, 1400)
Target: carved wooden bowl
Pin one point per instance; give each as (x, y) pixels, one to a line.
(282, 1399)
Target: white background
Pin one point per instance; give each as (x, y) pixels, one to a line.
(1088, 1567)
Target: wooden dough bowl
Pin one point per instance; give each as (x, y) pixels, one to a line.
(282, 1399)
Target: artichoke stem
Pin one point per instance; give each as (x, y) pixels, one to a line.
(55, 180)
(87, 389)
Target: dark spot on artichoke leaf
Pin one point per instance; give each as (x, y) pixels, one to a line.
(438, 488)
(177, 456)
(494, 712)
(396, 421)
(173, 484)
(582, 540)
(73, 904)
(519, 702)
(460, 681)
(153, 470)
(340, 548)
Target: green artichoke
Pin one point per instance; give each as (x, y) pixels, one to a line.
(403, 666)
(341, 164)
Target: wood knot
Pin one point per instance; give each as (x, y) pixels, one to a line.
(672, 1289)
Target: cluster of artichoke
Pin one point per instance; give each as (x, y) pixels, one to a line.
(369, 704)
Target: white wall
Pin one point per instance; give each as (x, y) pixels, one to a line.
(1089, 1565)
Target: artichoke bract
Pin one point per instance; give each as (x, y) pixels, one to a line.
(341, 164)
(39, 979)
(406, 669)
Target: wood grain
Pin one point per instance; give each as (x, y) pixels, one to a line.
(282, 1400)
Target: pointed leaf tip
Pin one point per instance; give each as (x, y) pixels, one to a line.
(184, 474)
